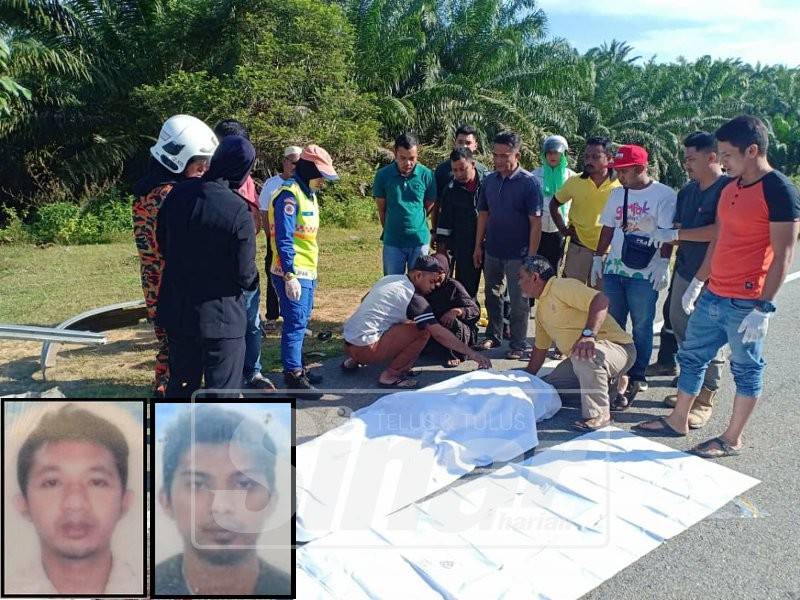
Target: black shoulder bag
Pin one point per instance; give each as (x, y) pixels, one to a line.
(637, 252)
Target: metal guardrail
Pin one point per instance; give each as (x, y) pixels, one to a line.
(50, 334)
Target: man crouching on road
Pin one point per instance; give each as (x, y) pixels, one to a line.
(394, 323)
(575, 316)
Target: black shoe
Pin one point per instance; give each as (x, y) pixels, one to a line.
(661, 370)
(674, 383)
(259, 382)
(300, 382)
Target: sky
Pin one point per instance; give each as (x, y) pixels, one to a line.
(765, 31)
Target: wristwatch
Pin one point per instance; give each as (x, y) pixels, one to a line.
(588, 333)
(766, 306)
(288, 276)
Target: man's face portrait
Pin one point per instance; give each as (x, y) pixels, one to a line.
(231, 498)
(74, 497)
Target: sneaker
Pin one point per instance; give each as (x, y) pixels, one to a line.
(299, 381)
(641, 384)
(259, 382)
(661, 370)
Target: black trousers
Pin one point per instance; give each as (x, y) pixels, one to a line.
(668, 345)
(273, 306)
(219, 362)
(551, 247)
(465, 272)
(466, 332)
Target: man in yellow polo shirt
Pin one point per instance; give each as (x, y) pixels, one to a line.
(588, 192)
(576, 318)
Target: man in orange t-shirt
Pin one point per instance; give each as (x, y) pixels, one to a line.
(758, 221)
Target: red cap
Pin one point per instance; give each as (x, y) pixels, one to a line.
(629, 155)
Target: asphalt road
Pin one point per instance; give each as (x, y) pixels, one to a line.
(725, 556)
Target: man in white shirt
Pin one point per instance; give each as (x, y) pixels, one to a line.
(72, 472)
(394, 323)
(291, 155)
(634, 271)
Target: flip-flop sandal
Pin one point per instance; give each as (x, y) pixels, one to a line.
(405, 383)
(705, 449)
(555, 354)
(665, 430)
(487, 344)
(518, 355)
(620, 403)
(584, 427)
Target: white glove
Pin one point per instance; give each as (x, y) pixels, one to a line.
(293, 289)
(754, 326)
(691, 294)
(596, 273)
(663, 236)
(659, 274)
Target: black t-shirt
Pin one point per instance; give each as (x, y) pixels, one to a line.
(695, 208)
(169, 579)
(420, 311)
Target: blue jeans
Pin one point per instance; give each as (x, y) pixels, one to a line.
(252, 335)
(637, 298)
(396, 259)
(296, 315)
(714, 323)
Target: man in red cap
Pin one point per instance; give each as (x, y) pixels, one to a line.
(635, 270)
(294, 221)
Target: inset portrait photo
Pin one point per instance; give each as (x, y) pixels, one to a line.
(223, 500)
(73, 498)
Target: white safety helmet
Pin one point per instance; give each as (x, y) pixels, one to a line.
(555, 142)
(183, 138)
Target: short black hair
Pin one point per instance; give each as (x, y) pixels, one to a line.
(744, 131)
(460, 153)
(702, 141)
(72, 423)
(406, 140)
(540, 265)
(466, 130)
(599, 140)
(508, 138)
(230, 127)
(216, 425)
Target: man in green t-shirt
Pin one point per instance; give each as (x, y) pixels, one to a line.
(405, 192)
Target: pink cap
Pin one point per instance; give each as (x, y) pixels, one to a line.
(321, 159)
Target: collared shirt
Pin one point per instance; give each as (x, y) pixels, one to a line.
(510, 202)
(458, 213)
(444, 175)
(561, 313)
(588, 202)
(168, 579)
(406, 223)
(32, 579)
(743, 252)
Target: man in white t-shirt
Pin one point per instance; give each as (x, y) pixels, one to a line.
(394, 323)
(551, 176)
(635, 271)
(290, 157)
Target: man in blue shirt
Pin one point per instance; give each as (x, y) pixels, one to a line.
(509, 230)
(405, 192)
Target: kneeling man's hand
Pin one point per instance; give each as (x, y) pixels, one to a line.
(584, 348)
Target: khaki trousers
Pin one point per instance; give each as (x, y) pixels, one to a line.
(592, 379)
(578, 264)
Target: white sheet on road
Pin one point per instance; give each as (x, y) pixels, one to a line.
(554, 527)
(408, 445)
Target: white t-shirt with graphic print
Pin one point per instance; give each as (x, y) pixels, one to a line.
(657, 200)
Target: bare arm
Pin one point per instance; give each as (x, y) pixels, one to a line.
(606, 235)
(446, 338)
(536, 361)
(381, 202)
(598, 311)
(535, 234)
(558, 220)
(782, 237)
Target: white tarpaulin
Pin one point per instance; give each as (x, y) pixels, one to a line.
(554, 527)
(408, 445)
